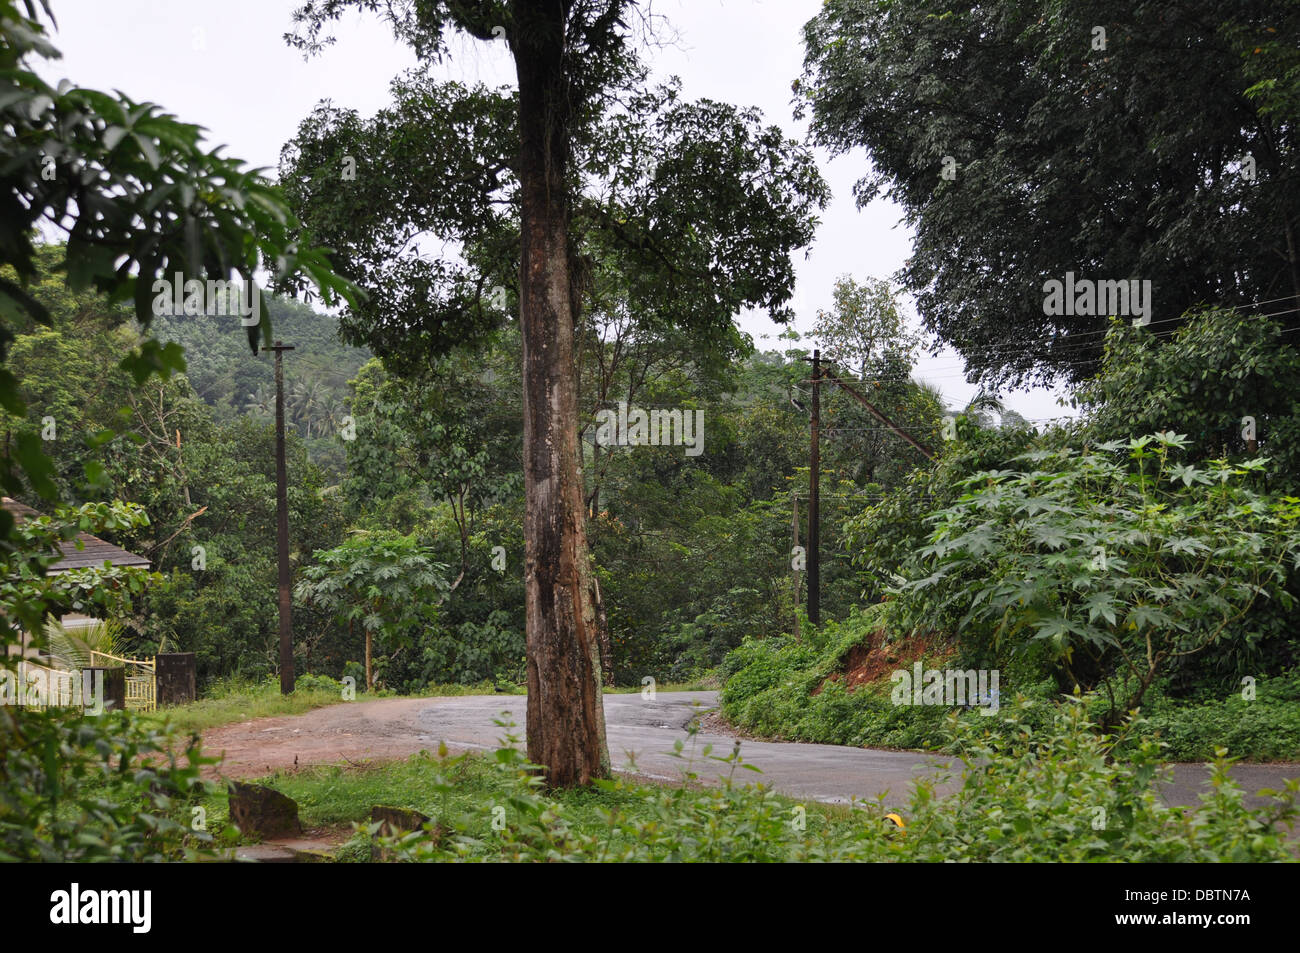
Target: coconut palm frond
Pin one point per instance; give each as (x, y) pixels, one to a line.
(985, 401)
(927, 389)
(72, 647)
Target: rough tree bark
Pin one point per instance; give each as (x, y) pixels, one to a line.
(602, 630)
(566, 718)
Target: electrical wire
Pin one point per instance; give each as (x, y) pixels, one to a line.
(1073, 342)
(925, 376)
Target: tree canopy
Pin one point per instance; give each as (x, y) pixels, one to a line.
(1034, 138)
(683, 213)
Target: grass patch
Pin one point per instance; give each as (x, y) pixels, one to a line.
(464, 791)
(1263, 728)
(704, 684)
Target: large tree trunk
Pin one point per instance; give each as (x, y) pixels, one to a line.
(566, 718)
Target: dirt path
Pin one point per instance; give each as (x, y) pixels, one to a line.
(382, 730)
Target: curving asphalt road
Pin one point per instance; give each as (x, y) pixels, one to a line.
(641, 733)
(637, 728)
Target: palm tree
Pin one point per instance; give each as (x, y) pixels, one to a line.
(71, 648)
(979, 410)
(334, 412)
(304, 399)
(982, 406)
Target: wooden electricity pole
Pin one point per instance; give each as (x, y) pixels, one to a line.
(814, 498)
(814, 473)
(282, 526)
(794, 547)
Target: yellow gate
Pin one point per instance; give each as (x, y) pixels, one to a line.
(141, 680)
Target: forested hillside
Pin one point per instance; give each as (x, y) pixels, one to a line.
(232, 383)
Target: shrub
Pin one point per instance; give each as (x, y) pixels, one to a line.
(779, 688)
(105, 788)
(1118, 567)
(1265, 727)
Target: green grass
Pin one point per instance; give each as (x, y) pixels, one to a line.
(707, 684)
(1263, 728)
(225, 709)
(468, 787)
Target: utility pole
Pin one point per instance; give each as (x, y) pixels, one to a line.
(794, 544)
(814, 498)
(814, 474)
(282, 526)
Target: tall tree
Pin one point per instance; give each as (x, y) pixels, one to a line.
(1025, 139)
(865, 331)
(864, 327)
(707, 229)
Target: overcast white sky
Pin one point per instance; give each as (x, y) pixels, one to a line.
(223, 64)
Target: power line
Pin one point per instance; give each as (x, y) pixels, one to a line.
(1072, 343)
(1070, 339)
(835, 430)
(870, 497)
(927, 376)
(1069, 347)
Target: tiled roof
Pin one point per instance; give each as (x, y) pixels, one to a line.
(93, 551)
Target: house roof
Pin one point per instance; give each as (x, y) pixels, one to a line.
(84, 551)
